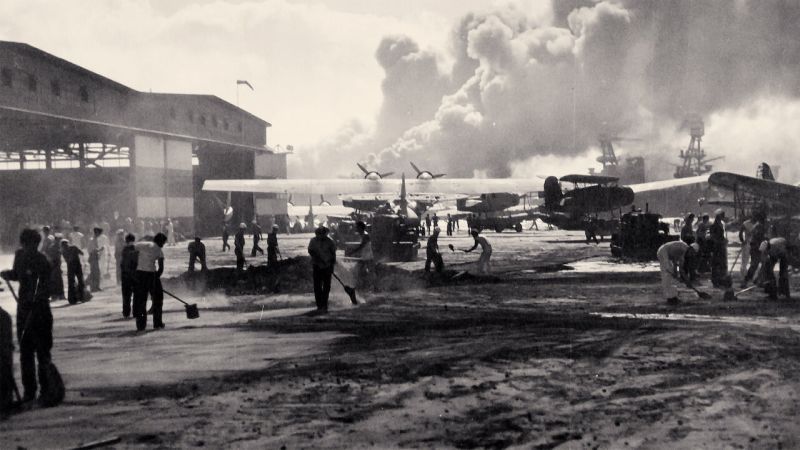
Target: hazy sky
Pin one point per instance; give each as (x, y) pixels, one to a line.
(311, 62)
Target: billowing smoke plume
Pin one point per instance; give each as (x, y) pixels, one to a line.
(525, 87)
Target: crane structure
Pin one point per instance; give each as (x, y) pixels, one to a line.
(694, 158)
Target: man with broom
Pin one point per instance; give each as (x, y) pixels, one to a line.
(672, 257)
(34, 318)
(323, 257)
(148, 281)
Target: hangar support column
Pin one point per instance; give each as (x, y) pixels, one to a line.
(163, 180)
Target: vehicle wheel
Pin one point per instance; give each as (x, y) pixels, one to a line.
(499, 228)
(518, 228)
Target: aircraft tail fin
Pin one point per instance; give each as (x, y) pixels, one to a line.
(765, 172)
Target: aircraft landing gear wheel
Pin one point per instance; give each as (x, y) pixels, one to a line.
(518, 228)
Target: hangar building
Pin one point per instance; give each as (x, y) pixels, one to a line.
(78, 146)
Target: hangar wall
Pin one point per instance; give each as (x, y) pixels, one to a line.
(163, 179)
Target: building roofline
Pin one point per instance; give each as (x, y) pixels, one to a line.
(265, 148)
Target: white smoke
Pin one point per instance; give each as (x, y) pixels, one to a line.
(529, 86)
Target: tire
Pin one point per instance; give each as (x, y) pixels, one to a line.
(499, 228)
(518, 228)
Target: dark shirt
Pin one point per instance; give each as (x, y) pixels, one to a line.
(72, 256)
(717, 233)
(757, 236)
(323, 252)
(687, 234)
(256, 233)
(272, 240)
(433, 244)
(130, 259)
(32, 271)
(238, 240)
(197, 249)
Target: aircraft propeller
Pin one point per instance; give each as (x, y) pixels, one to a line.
(372, 174)
(425, 174)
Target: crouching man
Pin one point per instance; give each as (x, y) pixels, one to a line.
(672, 258)
(775, 251)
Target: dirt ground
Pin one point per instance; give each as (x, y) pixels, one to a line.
(562, 348)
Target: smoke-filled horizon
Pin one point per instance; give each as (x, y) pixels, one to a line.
(526, 89)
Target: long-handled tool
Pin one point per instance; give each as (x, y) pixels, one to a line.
(703, 295)
(191, 310)
(736, 259)
(351, 291)
(745, 290)
(16, 300)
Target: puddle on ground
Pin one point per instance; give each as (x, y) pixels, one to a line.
(734, 320)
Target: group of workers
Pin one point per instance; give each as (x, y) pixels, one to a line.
(239, 243)
(704, 248)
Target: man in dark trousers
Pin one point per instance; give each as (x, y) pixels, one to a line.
(449, 225)
(257, 237)
(432, 253)
(149, 267)
(323, 257)
(197, 251)
(34, 319)
(127, 269)
(238, 247)
(719, 248)
(75, 287)
(272, 247)
(225, 245)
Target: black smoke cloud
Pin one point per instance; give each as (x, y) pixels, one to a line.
(521, 88)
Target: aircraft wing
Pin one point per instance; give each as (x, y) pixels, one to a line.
(667, 184)
(439, 186)
(320, 210)
(767, 190)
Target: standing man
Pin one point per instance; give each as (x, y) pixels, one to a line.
(757, 236)
(428, 222)
(52, 250)
(197, 251)
(95, 249)
(238, 247)
(75, 287)
(225, 245)
(432, 253)
(149, 267)
(322, 250)
(366, 263)
(486, 252)
(687, 232)
(129, 260)
(719, 245)
(449, 225)
(76, 237)
(34, 318)
(745, 237)
(257, 237)
(272, 247)
(170, 232)
(703, 240)
(591, 231)
(672, 257)
(774, 251)
(435, 220)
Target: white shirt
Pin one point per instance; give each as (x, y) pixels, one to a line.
(149, 253)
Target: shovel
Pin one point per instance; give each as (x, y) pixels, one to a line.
(745, 290)
(191, 310)
(703, 295)
(351, 291)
